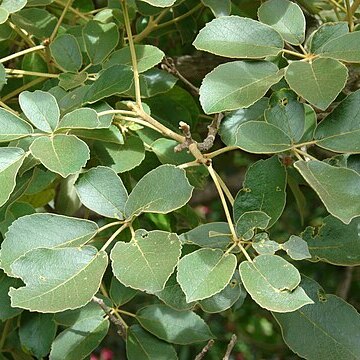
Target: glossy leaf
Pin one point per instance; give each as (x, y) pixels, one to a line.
(286, 17)
(142, 345)
(49, 291)
(238, 37)
(263, 190)
(63, 154)
(329, 328)
(219, 8)
(66, 52)
(41, 109)
(304, 77)
(11, 158)
(296, 248)
(237, 84)
(84, 118)
(102, 191)
(100, 39)
(152, 255)
(43, 230)
(12, 127)
(205, 272)
(273, 283)
(340, 130)
(338, 188)
(177, 327)
(154, 192)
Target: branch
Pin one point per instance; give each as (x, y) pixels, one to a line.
(206, 348)
(213, 130)
(230, 347)
(121, 329)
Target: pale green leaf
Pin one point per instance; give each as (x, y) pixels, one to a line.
(155, 192)
(112, 135)
(296, 248)
(249, 221)
(11, 158)
(66, 52)
(102, 191)
(41, 109)
(273, 283)
(338, 188)
(177, 327)
(84, 118)
(263, 190)
(205, 272)
(100, 39)
(329, 328)
(238, 37)
(3, 80)
(219, 8)
(63, 154)
(286, 17)
(4, 15)
(142, 345)
(13, 6)
(318, 82)
(334, 242)
(70, 80)
(43, 230)
(237, 84)
(160, 3)
(76, 280)
(12, 127)
(260, 137)
(147, 261)
(147, 57)
(263, 245)
(340, 130)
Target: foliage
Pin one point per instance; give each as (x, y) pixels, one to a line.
(105, 144)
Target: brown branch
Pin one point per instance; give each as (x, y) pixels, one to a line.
(205, 349)
(208, 142)
(230, 347)
(121, 329)
(185, 128)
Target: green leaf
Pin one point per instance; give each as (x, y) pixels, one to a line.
(81, 338)
(152, 255)
(112, 81)
(12, 127)
(286, 17)
(338, 188)
(226, 298)
(111, 135)
(205, 272)
(329, 328)
(4, 15)
(13, 6)
(37, 332)
(66, 52)
(287, 113)
(102, 191)
(11, 158)
(296, 248)
(43, 230)
(121, 158)
(160, 3)
(263, 190)
(249, 221)
(312, 82)
(263, 245)
(100, 39)
(62, 154)
(219, 8)
(52, 291)
(260, 137)
(340, 130)
(41, 109)
(237, 84)
(325, 33)
(84, 118)
(335, 242)
(211, 235)
(70, 80)
(147, 57)
(343, 48)
(142, 345)
(155, 192)
(232, 121)
(3, 80)
(177, 327)
(226, 36)
(273, 282)
(119, 293)
(6, 310)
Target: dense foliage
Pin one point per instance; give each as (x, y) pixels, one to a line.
(127, 127)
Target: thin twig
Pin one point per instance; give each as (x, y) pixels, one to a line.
(22, 52)
(208, 142)
(185, 128)
(61, 18)
(205, 349)
(121, 329)
(349, 15)
(230, 347)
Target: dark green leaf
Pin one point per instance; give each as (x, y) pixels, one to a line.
(6, 310)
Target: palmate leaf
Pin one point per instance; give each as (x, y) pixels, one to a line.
(52, 291)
